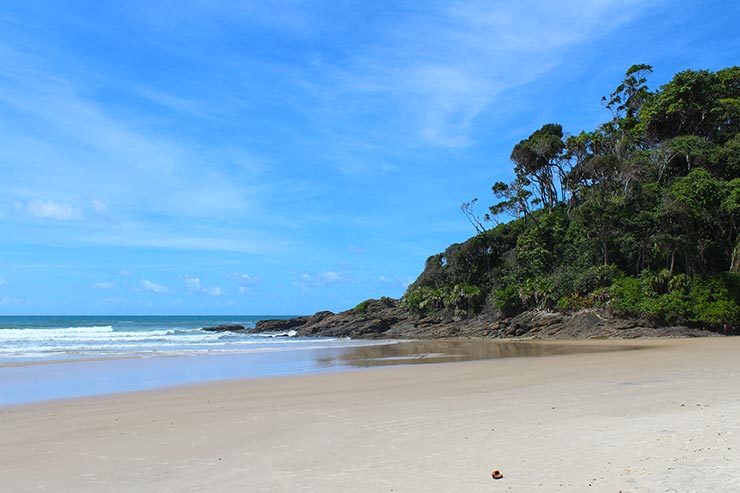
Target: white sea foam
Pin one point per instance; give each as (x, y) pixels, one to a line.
(45, 334)
(68, 353)
(105, 340)
(290, 333)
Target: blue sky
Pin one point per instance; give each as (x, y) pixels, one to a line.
(256, 157)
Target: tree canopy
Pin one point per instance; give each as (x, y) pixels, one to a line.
(640, 215)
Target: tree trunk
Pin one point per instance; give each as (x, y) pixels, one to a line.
(735, 263)
(605, 250)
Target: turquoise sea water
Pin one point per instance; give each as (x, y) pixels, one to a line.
(43, 358)
(74, 337)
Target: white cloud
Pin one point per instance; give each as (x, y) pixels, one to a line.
(245, 279)
(133, 161)
(324, 278)
(153, 287)
(438, 68)
(245, 282)
(100, 207)
(192, 282)
(101, 210)
(332, 277)
(9, 300)
(49, 209)
(213, 291)
(103, 285)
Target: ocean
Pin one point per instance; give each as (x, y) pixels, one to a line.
(39, 338)
(44, 358)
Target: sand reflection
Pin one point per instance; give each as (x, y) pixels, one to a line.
(444, 351)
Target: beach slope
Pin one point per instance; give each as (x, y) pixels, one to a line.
(663, 418)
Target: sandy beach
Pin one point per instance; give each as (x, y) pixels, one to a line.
(663, 418)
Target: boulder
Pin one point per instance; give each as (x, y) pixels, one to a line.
(284, 325)
(226, 328)
(278, 325)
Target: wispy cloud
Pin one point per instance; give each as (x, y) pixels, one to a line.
(153, 287)
(101, 210)
(325, 278)
(213, 291)
(49, 209)
(286, 145)
(103, 285)
(244, 279)
(150, 175)
(245, 282)
(194, 284)
(444, 65)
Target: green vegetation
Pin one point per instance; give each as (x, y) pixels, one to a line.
(459, 298)
(362, 306)
(639, 216)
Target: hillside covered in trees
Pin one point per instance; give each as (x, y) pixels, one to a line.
(638, 218)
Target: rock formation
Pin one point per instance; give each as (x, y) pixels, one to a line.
(388, 318)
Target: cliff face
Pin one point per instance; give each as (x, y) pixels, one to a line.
(389, 319)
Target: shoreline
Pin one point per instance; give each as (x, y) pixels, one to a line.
(50, 380)
(8, 363)
(646, 420)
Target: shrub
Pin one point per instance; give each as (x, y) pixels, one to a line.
(362, 306)
(460, 298)
(626, 296)
(508, 301)
(597, 276)
(711, 301)
(422, 299)
(463, 298)
(715, 300)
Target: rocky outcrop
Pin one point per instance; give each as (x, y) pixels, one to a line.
(375, 319)
(226, 328)
(588, 324)
(388, 318)
(282, 325)
(278, 325)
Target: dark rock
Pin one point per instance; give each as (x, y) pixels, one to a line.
(388, 318)
(278, 325)
(226, 328)
(282, 325)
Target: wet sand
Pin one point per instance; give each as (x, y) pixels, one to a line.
(34, 381)
(663, 418)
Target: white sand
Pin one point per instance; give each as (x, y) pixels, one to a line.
(665, 419)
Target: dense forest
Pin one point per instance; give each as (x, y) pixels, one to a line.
(639, 217)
